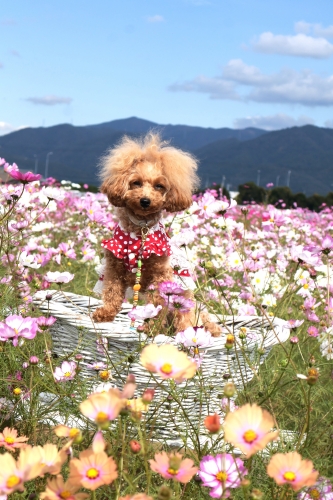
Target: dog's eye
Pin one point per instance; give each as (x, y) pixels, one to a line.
(159, 186)
(136, 183)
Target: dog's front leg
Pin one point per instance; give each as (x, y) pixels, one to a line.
(115, 283)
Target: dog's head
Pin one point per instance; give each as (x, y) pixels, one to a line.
(148, 176)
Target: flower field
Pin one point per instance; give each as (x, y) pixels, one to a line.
(255, 424)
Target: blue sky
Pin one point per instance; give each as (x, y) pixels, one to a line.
(212, 63)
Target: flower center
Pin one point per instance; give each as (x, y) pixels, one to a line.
(9, 440)
(74, 432)
(12, 481)
(92, 473)
(101, 417)
(222, 476)
(166, 368)
(306, 286)
(289, 476)
(314, 493)
(67, 374)
(194, 340)
(250, 436)
(17, 391)
(65, 494)
(173, 472)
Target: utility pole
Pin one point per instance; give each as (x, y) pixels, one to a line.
(288, 178)
(277, 181)
(258, 177)
(47, 164)
(36, 164)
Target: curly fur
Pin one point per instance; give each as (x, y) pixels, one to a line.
(136, 170)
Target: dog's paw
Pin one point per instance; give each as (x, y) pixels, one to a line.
(213, 328)
(103, 315)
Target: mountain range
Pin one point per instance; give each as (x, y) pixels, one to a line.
(302, 156)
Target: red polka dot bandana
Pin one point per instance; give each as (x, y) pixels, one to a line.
(127, 246)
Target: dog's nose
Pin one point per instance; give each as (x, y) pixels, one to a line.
(145, 202)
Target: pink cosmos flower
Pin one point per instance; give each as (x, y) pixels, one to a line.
(66, 372)
(144, 312)
(57, 489)
(10, 440)
(16, 326)
(101, 407)
(25, 178)
(293, 323)
(221, 473)
(248, 429)
(45, 322)
(168, 288)
(194, 336)
(322, 490)
(172, 466)
(313, 331)
(180, 303)
(57, 277)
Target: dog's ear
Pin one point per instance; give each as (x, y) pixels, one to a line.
(115, 190)
(177, 200)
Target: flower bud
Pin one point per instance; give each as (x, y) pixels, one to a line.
(17, 391)
(257, 494)
(164, 493)
(104, 375)
(313, 375)
(148, 396)
(230, 340)
(229, 389)
(34, 360)
(212, 423)
(135, 446)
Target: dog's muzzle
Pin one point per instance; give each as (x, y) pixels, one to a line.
(145, 202)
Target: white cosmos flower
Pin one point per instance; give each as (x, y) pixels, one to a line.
(57, 277)
(27, 260)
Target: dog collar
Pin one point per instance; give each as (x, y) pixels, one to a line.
(140, 223)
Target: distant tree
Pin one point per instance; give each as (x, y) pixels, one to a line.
(315, 201)
(329, 199)
(249, 191)
(301, 200)
(281, 193)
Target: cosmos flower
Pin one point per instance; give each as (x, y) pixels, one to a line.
(10, 440)
(16, 326)
(144, 312)
(92, 470)
(172, 466)
(167, 362)
(57, 489)
(194, 336)
(291, 469)
(101, 407)
(248, 428)
(221, 473)
(57, 277)
(66, 371)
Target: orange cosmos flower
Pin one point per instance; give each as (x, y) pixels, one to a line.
(289, 468)
(69, 432)
(248, 428)
(92, 470)
(10, 440)
(101, 407)
(12, 474)
(168, 362)
(171, 466)
(57, 489)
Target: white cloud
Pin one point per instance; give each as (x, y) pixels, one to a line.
(240, 81)
(315, 28)
(329, 123)
(272, 122)
(7, 128)
(300, 45)
(217, 88)
(155, 19)
(49, 100)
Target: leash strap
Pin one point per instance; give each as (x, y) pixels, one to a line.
(137, 286)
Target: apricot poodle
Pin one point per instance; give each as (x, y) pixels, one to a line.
(142, 178)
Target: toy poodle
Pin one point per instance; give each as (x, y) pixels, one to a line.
(142, 178)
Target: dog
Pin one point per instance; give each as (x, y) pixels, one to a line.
(143, 178)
